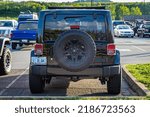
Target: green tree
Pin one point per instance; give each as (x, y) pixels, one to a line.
(122, 11)
(112, 9)
(135, 11)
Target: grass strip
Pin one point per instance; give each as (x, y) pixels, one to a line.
(141, 72)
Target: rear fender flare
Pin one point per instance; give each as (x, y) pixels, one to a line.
(31, 55)
(117, 58)
(3, 43)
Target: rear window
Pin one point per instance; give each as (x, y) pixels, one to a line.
(147, 25)
(123, 27)
(23, 19)
(28, 26)
(93, 25)
(118, 23)
(4, 32)
(6, 24)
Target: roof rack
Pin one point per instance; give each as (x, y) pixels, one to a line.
(102, 7)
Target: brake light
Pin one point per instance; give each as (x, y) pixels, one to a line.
(75, 27)
(11, 35)
(38, 49)
(111, 49)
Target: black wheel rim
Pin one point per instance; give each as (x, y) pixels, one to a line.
(8, 61)
(74, 51)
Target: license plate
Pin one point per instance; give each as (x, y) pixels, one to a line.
(24, 40)
(39, 60)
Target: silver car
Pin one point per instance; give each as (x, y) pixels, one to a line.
(6, 32)
(123, 31)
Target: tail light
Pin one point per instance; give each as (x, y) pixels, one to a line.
(74, 27)
(111, 49)
(11, 35)
(38, 49)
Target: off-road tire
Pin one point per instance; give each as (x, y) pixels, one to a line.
(80, 52)
(114, 84)
(36, 83)
(5, 62)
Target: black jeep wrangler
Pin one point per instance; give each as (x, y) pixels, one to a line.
(5, 56)
(75, 42)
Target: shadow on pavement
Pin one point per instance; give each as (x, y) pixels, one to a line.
(139, 55)
(57, 87)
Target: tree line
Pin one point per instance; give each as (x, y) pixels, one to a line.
(118, 10)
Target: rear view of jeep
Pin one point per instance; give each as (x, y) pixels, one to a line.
(75, 43)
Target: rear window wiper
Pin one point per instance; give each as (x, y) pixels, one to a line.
(69, 17)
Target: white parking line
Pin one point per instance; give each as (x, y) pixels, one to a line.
(124, 50)
(9, 85)
(139, 48)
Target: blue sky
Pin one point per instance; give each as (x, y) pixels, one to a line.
(75, 0)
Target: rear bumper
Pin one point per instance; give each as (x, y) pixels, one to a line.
(20, 41)
(126, 34)
(95, 71)
(147, 33)
(143, 33)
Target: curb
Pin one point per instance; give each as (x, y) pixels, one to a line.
(135, 85)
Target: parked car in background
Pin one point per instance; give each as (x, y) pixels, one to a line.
(129, 24)
(25, 33)
(118, 22)
(5, 56)
(137, 24)
(6, 32)
(9, 23)
(123, 31)
(144, 29)
(24, 16)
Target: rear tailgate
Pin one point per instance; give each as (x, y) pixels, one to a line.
(24, 34)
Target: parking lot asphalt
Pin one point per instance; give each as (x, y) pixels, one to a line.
(16, 83)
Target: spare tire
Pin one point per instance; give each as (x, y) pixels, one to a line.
(74, 50)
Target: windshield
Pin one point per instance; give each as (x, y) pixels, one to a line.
(28, 26)
(147, 26)
(93, 26)
(23, 19)
(118, 23)
(4, 32)
(6, 24)
(123, 27)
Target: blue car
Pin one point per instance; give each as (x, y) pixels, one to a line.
(25, 33)
(24, 16)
